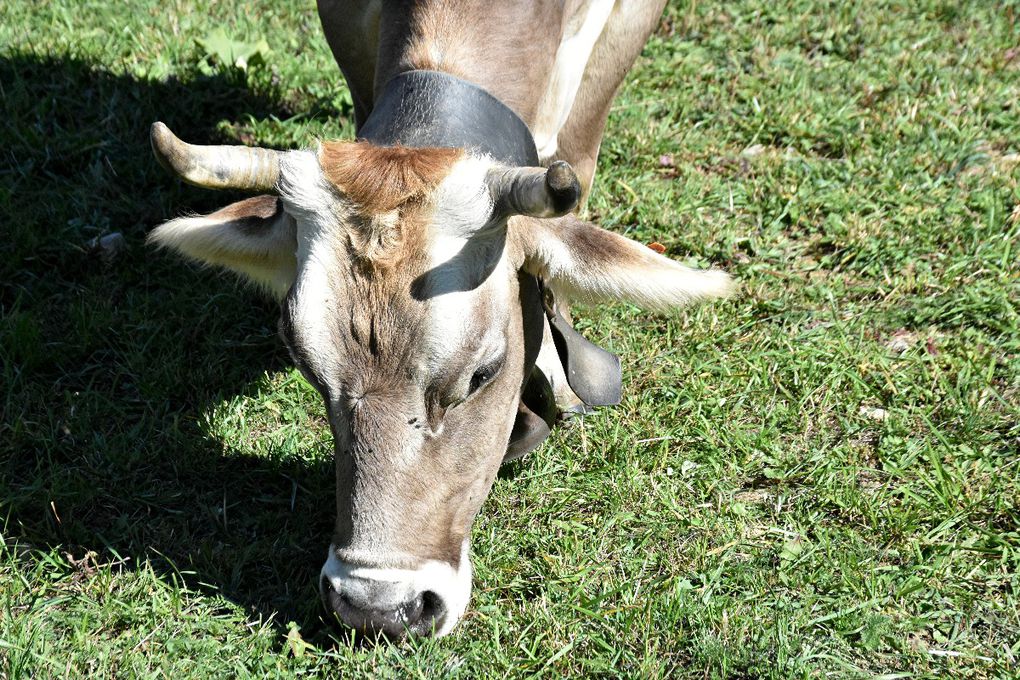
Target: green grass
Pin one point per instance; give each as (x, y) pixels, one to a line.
(166, 483)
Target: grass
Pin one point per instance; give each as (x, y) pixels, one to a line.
(818, 478)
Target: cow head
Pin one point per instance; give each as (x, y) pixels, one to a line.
(398, 271)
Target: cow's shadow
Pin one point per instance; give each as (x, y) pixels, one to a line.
(111, 364)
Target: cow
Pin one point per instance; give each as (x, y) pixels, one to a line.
(424, 270)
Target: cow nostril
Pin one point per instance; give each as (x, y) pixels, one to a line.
(432, 609)
(420, 615)
(430, 603)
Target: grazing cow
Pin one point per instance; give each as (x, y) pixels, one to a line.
(421, 268)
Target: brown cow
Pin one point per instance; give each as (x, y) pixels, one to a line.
(420, 268)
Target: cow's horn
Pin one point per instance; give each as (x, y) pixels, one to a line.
(536, 192)
(216, 167)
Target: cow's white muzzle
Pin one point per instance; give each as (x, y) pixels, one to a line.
(428, 600)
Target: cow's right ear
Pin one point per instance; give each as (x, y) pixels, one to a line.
(254, 237)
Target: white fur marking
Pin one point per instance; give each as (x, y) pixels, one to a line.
(267, 259)
(572, 57)
(307, 196)
(452, 586)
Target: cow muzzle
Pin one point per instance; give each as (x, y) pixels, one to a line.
(395, 602)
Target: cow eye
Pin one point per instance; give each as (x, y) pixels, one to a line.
(483, 375)
(479, 378)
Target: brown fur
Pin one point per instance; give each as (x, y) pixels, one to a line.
(470, 40)
(389, 189)
(508, 48)
(415, 457)
(380, 179)
(251, 215)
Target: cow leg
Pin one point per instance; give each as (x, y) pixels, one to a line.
(352, 31)
(619, 45)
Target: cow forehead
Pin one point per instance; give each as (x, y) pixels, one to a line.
(326, 188)
(444, 294)
(343, 321)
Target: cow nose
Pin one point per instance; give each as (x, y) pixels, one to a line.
(418, 614)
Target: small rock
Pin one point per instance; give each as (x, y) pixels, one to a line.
(753, 150)
(874, 413)
(108, 246)
(112, 242)
(666, 160)
(901, 341)
(898, 345)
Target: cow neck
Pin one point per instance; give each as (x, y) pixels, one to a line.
(433, 109)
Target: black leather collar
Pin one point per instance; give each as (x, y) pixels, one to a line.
(433, 109)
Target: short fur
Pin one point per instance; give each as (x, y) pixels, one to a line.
(508, 47)
(390, 190)
(380, 179)
(583, 261)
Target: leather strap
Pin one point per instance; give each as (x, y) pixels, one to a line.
(593, 373)
(536, 411)
(433, 109)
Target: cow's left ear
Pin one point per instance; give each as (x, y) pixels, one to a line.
(254, 237)
(589, 263)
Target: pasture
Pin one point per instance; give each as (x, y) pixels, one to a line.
(817, 478)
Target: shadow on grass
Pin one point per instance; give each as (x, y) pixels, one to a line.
(107, 369)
